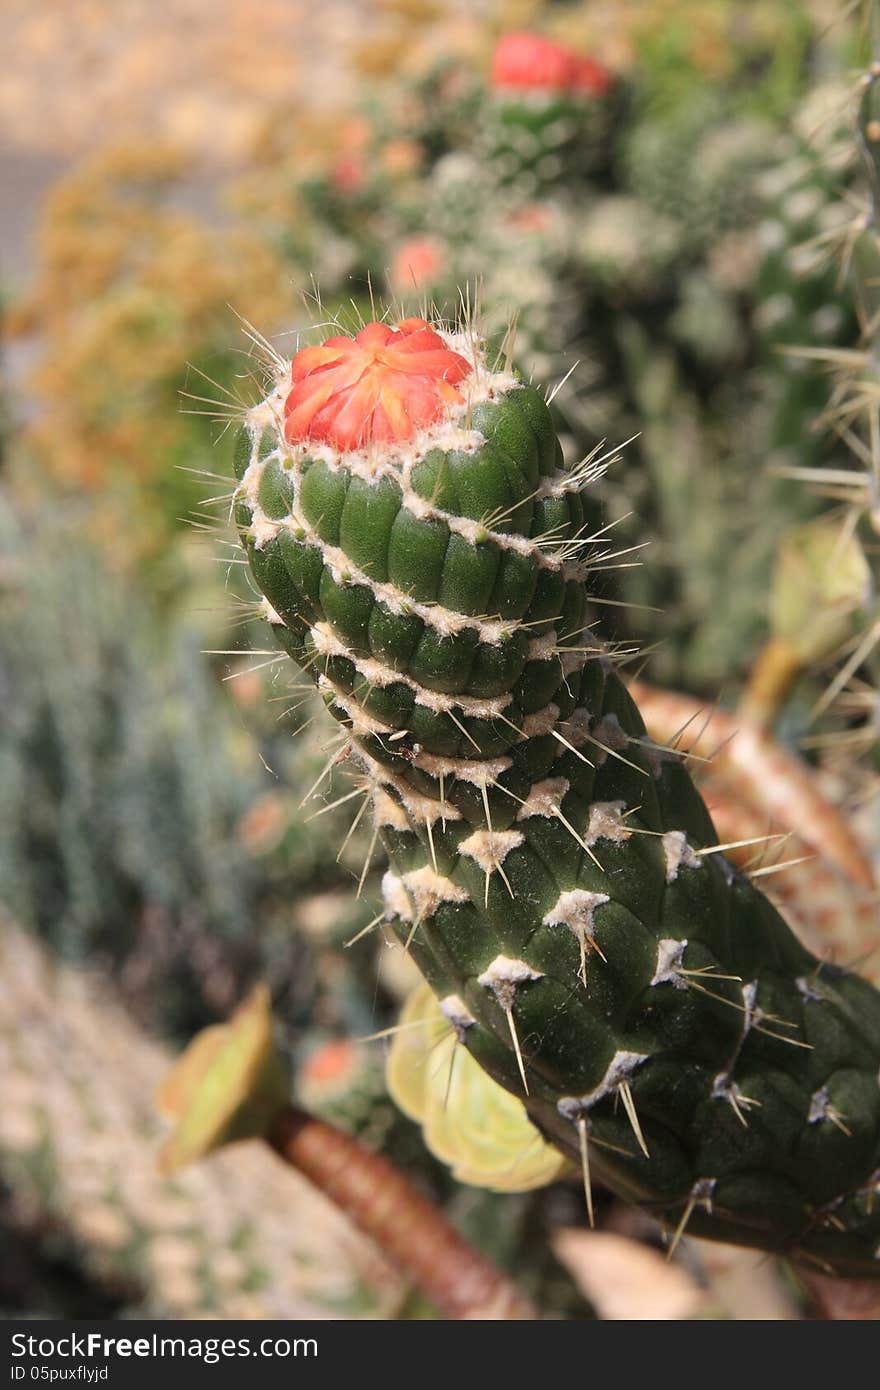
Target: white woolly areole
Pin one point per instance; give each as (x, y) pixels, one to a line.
(480, 532)
(503, 976)
(543, 648)
(489, 848)
(387, 811)
(395, 897)
(606, 822)
(445, 621)
(753, 1012)
(620, 1068)
(361, 721)
(543, 721)
(573, 660)
(806, 988)
(477, 773)
(268, 613)
(608, 732)
(429, 889)
(820, 1106)
(575, 909)
(457, 1013)
(725, 1088)
(269, 412)
(576, 729)
(424, 810)
(655, 756)
(703, 1192)
(477, 533)
(249, 487)
(387, 459)
(442, 620)
(544, 799)
(670, 956)
(263, 529)
(427, 810)
(678, 854)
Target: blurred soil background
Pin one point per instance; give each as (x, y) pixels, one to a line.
(169, 832)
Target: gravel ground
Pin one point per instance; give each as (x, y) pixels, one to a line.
(201, 75)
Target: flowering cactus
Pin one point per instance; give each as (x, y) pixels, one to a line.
(421, 546)
(548, 111)
(524, 62)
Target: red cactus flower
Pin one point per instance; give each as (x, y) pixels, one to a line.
(531, 217)
(348, 174)
(382, 385)
(527, 60)
(330, 1062)
(417, 262)
(591, 77)
(530, 62)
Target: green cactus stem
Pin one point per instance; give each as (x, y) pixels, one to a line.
(423, 554)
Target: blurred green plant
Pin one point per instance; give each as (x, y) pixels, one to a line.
(139, 825)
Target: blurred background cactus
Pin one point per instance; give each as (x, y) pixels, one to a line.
(667, 210)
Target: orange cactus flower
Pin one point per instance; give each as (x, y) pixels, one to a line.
(380, 386)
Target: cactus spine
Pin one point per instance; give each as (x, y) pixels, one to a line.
(422, 551)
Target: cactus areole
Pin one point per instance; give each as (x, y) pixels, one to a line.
(422, 552)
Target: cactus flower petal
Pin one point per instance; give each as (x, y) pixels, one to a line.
(383, 385)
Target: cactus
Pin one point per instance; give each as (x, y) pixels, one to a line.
(799, 299)
(547, 115)
(553, 872)
(710, 284)
(697, 166)
(343, 1083)
(851, 698)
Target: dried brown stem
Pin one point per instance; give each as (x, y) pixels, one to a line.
(774, 672)
(405, 1225)
(849, 1300)
(831, 914)
(762, 773)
